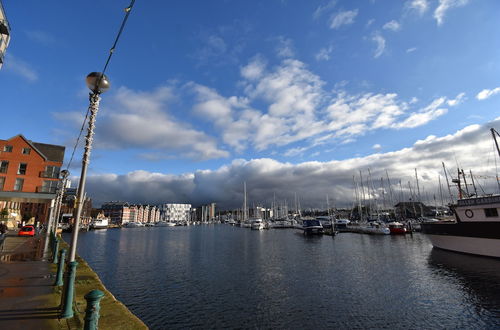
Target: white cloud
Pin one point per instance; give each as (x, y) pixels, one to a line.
(376, 146)
(380, 43)
(411, 50)
(267, 177)
(323, 9)
(392, 25)
(343, 18)
(486, 93)
(142, 120)
(457, 100)
(284, 47)
(324, 54)
(288, 104)
(20, 68)
(425, 115)
(444, 6)
(254, 69)
(420, 6)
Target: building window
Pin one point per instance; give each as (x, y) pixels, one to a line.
(26, 151)
(22, 168)
(52, 172)
(491, 213)
(4, 166)
(18, 186)
(49, 186)
(7, 148)
(2, 182)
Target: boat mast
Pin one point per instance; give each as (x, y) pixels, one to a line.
(447, 183)
(418, 195)
(495, 133)
(473, 183)
(245, 201)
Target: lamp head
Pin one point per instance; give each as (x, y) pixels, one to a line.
(97, 82)
(64, 173)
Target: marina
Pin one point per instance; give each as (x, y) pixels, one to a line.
(229, 276)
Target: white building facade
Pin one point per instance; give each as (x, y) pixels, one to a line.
(175, 212)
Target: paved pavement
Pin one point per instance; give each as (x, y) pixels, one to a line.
(27, 298)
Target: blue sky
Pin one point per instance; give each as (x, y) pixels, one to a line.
(208, 94)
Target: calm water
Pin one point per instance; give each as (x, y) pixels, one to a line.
(228, 277)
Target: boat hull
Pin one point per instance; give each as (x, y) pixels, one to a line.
(479, 238)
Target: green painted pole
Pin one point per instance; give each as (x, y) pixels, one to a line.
(92, 311)
(67, 304)
(60, 268)
(56, 251)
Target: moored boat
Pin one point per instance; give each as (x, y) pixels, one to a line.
(100, 222)
(312, 227)
(133, 224)
(397, 228)
(475, 230)
(256, 224)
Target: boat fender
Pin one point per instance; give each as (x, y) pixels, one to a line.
(468, 213)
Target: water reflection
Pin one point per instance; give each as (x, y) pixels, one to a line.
(228, 277)
(478, 277)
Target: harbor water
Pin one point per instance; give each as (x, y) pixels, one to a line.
(219, 276)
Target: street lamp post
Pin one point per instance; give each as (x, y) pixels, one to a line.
(98, 83)
(54, 212)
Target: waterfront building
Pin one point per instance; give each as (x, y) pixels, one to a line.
(4, 34)
(154, 214)
(29, 173)
(175, 212)
(117, 212)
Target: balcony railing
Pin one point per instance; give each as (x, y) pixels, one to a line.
(46, 190)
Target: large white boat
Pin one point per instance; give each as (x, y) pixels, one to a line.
(256, 224)
(476, 228)
(100, 222)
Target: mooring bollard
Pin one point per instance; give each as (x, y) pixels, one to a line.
(67, 297)
(92, 311)
(60, 268)
(56, 250)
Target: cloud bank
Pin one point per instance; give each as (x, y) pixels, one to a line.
(471, 147)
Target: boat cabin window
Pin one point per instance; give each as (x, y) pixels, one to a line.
(491, 213)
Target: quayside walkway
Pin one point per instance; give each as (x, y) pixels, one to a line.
(29, 299)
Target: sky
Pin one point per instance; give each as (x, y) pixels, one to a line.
(307, 98)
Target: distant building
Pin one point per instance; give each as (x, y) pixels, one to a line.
(117, 212)
(4, 34)
(29, 173)
(175, 212)
(121, 213)
(205, 213)
(413, 210)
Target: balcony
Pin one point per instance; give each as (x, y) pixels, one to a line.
(46, 190)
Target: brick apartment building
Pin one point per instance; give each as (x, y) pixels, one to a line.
(29, 176)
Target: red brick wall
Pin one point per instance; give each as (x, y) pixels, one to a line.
(35, 161)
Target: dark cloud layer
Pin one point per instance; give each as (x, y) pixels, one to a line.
(471, 147)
